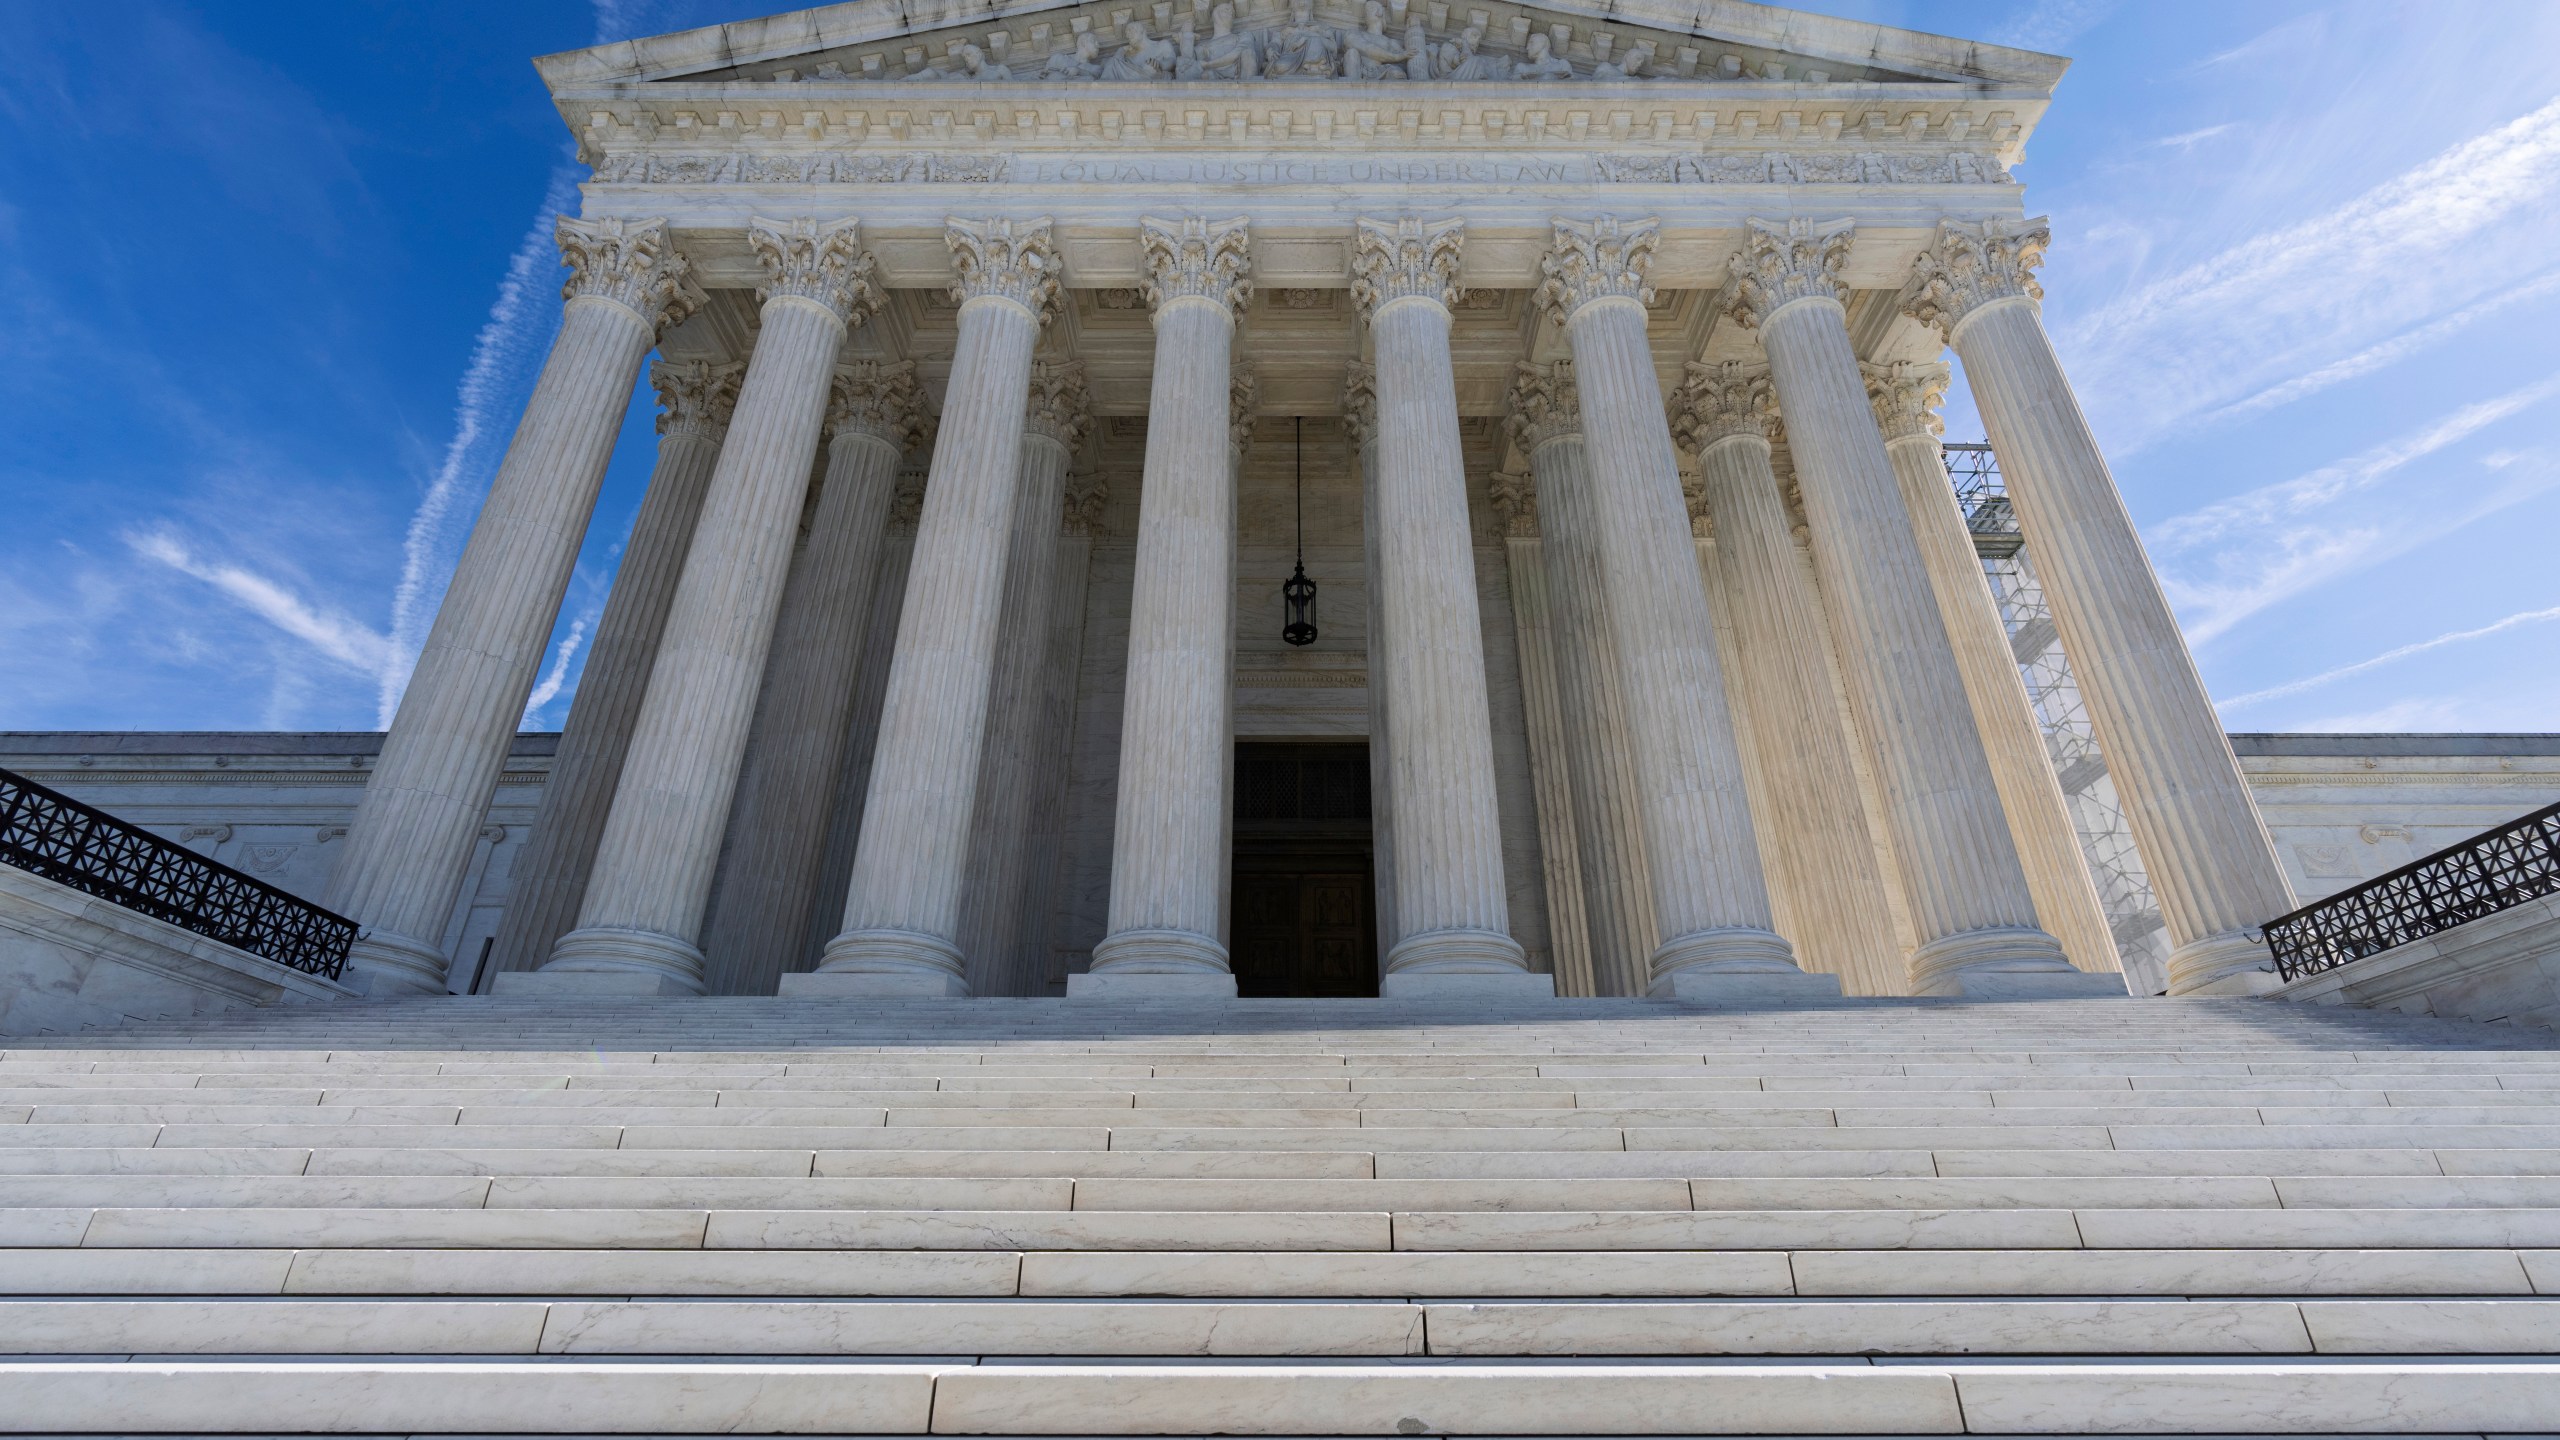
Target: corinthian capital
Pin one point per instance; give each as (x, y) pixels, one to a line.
(1906, 396)
(1360, 403)
(824, 264)
(632, 263)
(1515, 501)
(1243, 388)
(1057, 410)
(1004, 260)
(906, 500)
(1598, 260)
(1719, 402)
(1545, 405)
(1968, 266)
(1196, 259)
(1082, 511)
(695, 397)
(1405, 259)
(876, 398)
(1693, 492)
(1779, 264)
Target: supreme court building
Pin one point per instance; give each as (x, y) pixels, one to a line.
(1020, 366)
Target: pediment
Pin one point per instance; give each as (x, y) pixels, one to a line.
(882, 43)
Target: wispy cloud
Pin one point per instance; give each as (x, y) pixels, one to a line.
(2403, 652)
(2389, 352)
(338, 637)
(2190, 139)
(2048, 25)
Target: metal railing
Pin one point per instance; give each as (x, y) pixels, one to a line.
(2490, 872)
(45, 832)
(1988, 515)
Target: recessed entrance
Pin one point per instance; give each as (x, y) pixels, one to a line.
(1305, 907)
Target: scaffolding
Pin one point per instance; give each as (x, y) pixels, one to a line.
(2070, 741)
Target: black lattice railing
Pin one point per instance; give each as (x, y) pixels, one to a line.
(45, 832)
(2495, 871)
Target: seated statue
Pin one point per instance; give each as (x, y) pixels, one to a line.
(1302, 49)
(975, 65)
(1462, 59)
(1369, 53)
(1543, 63)
(1142, 58)
(1226, 55)
(1084, 62)
(1628, 66)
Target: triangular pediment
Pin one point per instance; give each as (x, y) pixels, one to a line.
(1297, 42)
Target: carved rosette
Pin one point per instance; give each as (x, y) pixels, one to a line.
(1719, 402)
(1598, 260)
(695, 397)
(1085, 496)
(1242, 390)
(634, 264)
(1196, 259)
(1004, 260)
(1906, 396)
(1545, 404)
(1780, 264)
(1968, 266)
(877, 398)
(824, 264)
(1515, 502)
(1406, 259)
(1360, 403)
(1057, 410)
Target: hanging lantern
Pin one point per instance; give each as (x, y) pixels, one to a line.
(1298, 593)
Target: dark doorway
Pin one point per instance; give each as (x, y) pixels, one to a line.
(1305, 917)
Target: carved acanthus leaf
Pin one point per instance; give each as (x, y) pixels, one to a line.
(880, 398)
(1906, 395)
(1086, 495)
(1598, 259)
(1782, 263)
(824, 263)
(1515, 500)
(1005, 259)
(1721, 401)
(1207, 259)
(1693, 491)
(1545, 404)
(1243, 388)
(695, 397)
(1360, 403)
(1968, 266)
(1058, 409)
(634, 264)
(1407, 258)
(906, 500)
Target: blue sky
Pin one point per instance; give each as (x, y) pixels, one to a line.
(277, 278)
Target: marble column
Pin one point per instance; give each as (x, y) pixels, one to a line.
(1021, 750)
(1711, 904)
(1515, 502)
(902, 910)
(1905, 397)
(1609, 846)
(804, 709)
(1812, 820)
(410, 845)
(639, 928)
(1045, 858)
(1169, 865)
(1451, 903)
(2207, 851)
(549, 879)
(1360, 426)
(1968, 894)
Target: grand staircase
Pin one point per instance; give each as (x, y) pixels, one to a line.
(1282, 1218)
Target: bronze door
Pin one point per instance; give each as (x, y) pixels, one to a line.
(1304, 918)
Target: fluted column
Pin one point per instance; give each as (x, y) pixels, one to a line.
(1968, 894)
(1812, 820)
(1169, 863)
(410, 844)
(2206, 849)
(1360, 425)
(777, 825)
(1711, 905)
(653, 871)
(1609, 846)
(1515, 501)
(1043, 862)
(1905, 397)
(1020, 748)
(549, 878)
(902, 909)
(1451, 903)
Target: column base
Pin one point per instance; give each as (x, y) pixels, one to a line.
(2001, 954)
(1457, 952)
(1161, 951)
(1746, 987)
(384, 966)
(2230, 963)
(888, 964)
(872, 985)
(611, 959)
(2043, 985)
(519, 983)
(1740, 961)
(1466, 985)
(1151, 985)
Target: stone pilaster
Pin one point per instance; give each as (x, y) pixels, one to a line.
(1968, 895)
(902, 909)
(1813, 824)
(1169, 836)
(1905, 397)
(410, 845)
(2210, 860)
(1360, 426)
(1021, 750)
(549, 880)
(1711, 905)
(758, 917)
(1609, 845)
(639, 928)
(1515, 501)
